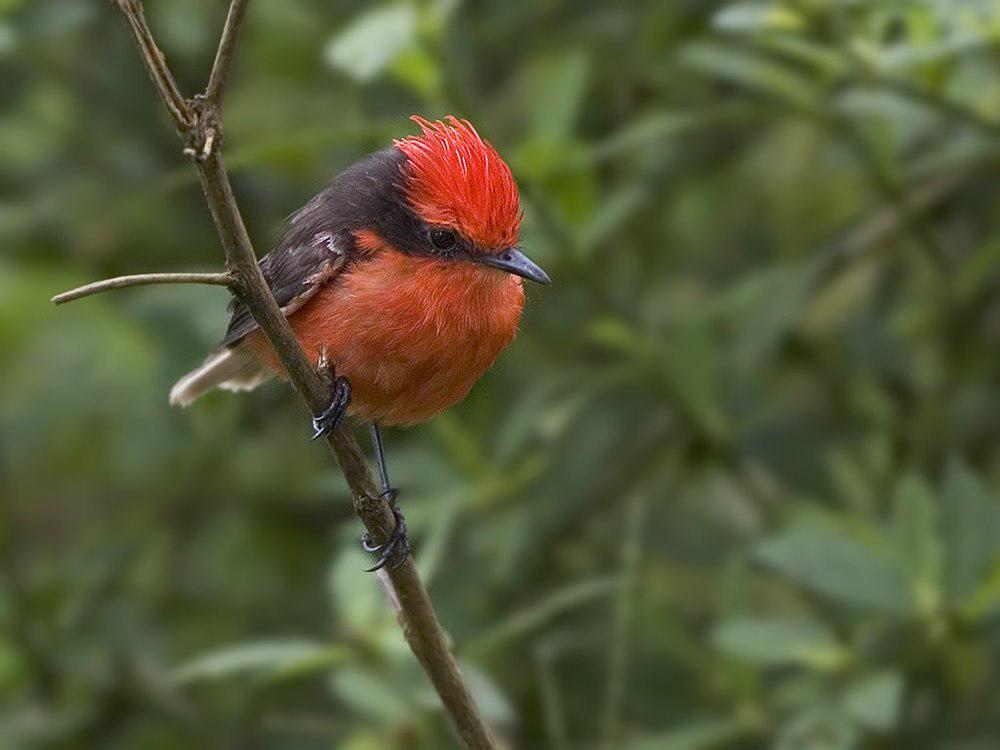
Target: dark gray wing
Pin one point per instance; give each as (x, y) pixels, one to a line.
(319, 240)
(295, 270)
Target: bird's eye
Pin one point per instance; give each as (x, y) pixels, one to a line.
(442, 239)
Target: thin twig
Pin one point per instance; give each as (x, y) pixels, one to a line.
(417, 618)
(219, 78)
(142, 279)
(156, 64)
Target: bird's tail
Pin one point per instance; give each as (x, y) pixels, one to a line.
(231, 369)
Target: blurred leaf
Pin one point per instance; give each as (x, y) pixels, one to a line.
(915, 534)
(841, 299)
(691, 361)
(900, 57)
(418, 69)
(12, 666)
(818, 728)
(366, 46)
(971, 523)
(697, 735)
(836, 566)
(822, 56)
(559, 84)
(852, 481)
(358, 602)
(779, 640)
(616, 209)
(644, 132)
(271, 659)
(490, 699)
(984, 601)
(765, 305)
(756, 16)
(876, 702)
(523, 621)
(751, 71)
(373, 695)
(434, 552)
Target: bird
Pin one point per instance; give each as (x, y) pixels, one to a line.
(404, 275)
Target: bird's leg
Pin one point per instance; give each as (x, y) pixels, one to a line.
(333, 415)
(394, 551)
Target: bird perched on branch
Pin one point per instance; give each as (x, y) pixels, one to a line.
(405, 274)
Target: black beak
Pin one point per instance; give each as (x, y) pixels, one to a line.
(514, 261)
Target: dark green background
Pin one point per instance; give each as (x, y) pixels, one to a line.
(733, 486)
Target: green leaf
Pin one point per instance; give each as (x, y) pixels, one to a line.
(617, 207)
(490, 699)
(278, 658)
(697, 735)
(838, 567)
(765, 306)
(357, 601)
(902, 57)
(916, 539)
(526, 620)
(559, 86)
(691, 366)
(753, 72)
(775, 641)
(822, 57)
(417, 68)
(372, 41)
(374, 695)
(875, 702)
(646, 131)
(756, 16)
(818, 728)
(971, 525)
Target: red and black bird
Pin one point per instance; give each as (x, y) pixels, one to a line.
(405, 274)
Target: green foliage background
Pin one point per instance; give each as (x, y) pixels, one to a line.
(734, 485)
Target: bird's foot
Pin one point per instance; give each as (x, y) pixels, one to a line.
(394, 552)
(333, 415)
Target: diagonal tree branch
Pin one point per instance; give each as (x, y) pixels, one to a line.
(156, 64)
(198, 123)
(219, 77)
(143, 279)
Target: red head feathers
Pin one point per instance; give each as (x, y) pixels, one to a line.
(455, 178)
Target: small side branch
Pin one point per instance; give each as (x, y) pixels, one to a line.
(144, 279)
(155, 63)
(219, 77)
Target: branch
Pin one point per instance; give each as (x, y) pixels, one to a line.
(217, 81)
(142, 279)
(156, 64)
(416, 615)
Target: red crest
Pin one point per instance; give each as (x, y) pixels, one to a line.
(455, 178)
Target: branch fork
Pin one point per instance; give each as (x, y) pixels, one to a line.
(204, 131)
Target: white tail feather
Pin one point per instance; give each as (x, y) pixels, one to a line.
(231, 369)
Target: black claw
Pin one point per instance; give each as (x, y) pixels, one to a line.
(395, 551)
(333, 415)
